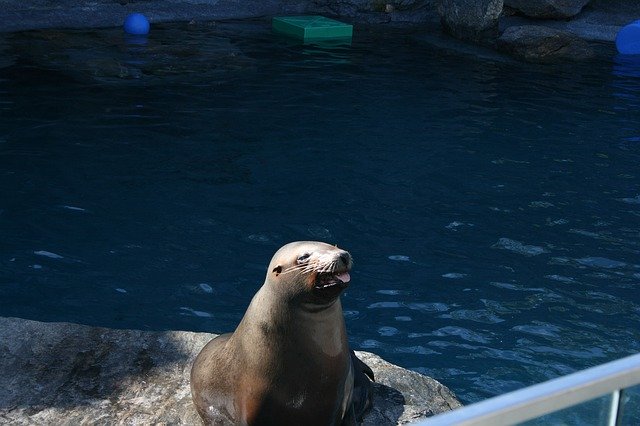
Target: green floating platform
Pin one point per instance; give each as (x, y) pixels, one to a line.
(312, 27)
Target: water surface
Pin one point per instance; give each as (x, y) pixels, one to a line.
(492, 207)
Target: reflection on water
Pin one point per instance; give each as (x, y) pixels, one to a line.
(491, 207)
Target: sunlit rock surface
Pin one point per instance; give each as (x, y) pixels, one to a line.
(69, 374)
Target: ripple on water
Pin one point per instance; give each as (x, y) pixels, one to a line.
(388, 331)
(518, 247)
(560, 278)
(389, 292)
(516, 287)
(490, 385)
(586, 233)
(314, 231)
(463, 333)
(541, 204)
(48, 254)
(189, 311)
(477, 315)
(263, 238)
(600, 262)
(454, 275)
(403, 318)
(385, 305)
(631, 200)
(448, 344)
(455, 225)
(73, 208)
(416, 350)
(399, 258)
(556, 222)
(509, 355)
(590, 353)
(428, 307)
(351, 314)
(539, 329)
(370, 344)
(201, 288)
(206, 288)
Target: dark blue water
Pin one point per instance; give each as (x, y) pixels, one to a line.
(492, 207)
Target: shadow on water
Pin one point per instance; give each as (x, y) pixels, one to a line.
(626, 66)
(114, 59)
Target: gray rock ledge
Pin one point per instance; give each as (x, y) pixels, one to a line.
(69, 374)
(543, 45)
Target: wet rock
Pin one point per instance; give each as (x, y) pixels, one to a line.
(473, 20)
(107, 56)
(600, 20)
(402, 396)
(17, 15)
(547, 9)
(543, 45)
(377, 11)
(69, 374)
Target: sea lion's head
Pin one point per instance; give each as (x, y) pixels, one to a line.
(310, 271)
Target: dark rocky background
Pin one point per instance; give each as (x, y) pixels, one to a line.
(531, 30)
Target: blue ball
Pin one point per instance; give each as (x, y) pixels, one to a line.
(628, 39)
(136, 24)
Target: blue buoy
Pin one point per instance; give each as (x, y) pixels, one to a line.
(628, 39)
(136, 24)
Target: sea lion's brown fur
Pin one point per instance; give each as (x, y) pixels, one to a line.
(288, 362)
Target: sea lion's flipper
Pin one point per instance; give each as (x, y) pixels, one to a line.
(362, 396)
(349, 418)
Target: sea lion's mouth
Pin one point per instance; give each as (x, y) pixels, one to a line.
(325, 280)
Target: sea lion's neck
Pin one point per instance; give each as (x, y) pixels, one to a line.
(270, 317)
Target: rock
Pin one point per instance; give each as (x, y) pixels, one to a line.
(548, 9)
(106, 57)
(473, 20)
(69, 374)
(599, 21)
(409, 390)
(542, 44)
(377, 11)
(17, 15)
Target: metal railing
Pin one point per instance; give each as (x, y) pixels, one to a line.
(548, 397)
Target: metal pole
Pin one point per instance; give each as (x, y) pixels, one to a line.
(613, 408)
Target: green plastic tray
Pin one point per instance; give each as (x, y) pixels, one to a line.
(311, 27)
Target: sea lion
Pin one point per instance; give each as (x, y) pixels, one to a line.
(288, 362)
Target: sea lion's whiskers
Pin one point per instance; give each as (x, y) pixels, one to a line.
(325, 263)
(295, 268)
(328, 266)
(304, 268)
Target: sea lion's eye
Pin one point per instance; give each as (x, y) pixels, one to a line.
(303, 257)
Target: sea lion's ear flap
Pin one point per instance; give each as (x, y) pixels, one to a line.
(277, 270)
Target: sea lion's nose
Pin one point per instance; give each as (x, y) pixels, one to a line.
(344, 257)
